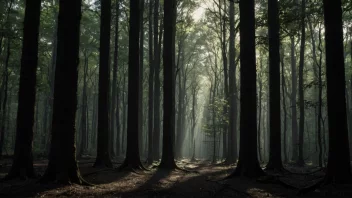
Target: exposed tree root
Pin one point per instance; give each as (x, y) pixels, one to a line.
(134, 167)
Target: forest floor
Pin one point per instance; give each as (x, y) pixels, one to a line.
(203, 179)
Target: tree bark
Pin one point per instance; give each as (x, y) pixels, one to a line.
(103, 156)
(141, 74)
(260, 96)
(248, 164)
(62, 165)
(23, 158)
(338, 168)
(232, 133)
(167, 159)
(275, 162)
(283, 80)
(84, 109)
(300, 160)
(5, 85)
(156, 135)
(294, 156)
(132, 160)
(151, 84)
(114, 102)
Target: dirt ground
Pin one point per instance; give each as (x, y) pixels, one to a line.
(202, 179)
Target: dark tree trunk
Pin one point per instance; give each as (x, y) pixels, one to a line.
(23, 158)
(194, 119)
(132, 160)
(5, 85)
(260, 105)
(338, 168)
(141, 74)
(151, 84)
(114, 102)
(156, 135)
(84, 109)
(179, 131)
(248, 164)
(232, 133)
(167, 159)
(320, 101)
(294, 101)
(275, 162)
(118, 124)
(214, 118)
(300, 160)
(62, 165)
(351, 100)
(103, 157)
(284, 105)
(226, 78)
(124, 107)
(94, 120)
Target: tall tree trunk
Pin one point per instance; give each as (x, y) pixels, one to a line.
(22, 165)
(167, 159)
(132, 160)
(300, 160)
(5, 85)
(283, 87)
(179, 124)
(294, 101)
(232, 133)
(194, 120)
(275, 162)
(84, 109)
(156, 135)
(114, 110)
(214, 116)
(248, 164)
(62, 165)
(338, 168)
(260, 96)
(151, 84)
(226, 78)
(103, 157)
(141, 74)
(124, 109)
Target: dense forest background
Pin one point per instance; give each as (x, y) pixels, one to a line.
(187, 83)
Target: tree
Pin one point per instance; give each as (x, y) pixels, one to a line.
(23, 159)
(62, 165)
(248, 164)
(151, 84)
(114, 102)
(132, 160)
(232, 133)
(294, 100)
(275, 162)
(338, 168)
(167, 159)
(141, 74)
(300, 160)
(103, 157)
(156, 62)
